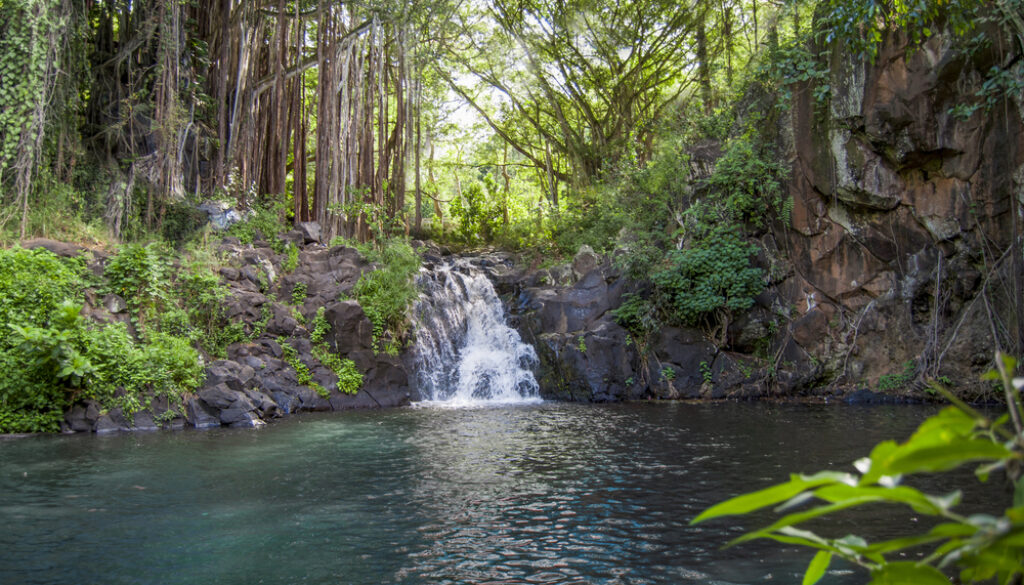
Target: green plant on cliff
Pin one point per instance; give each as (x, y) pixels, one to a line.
(140, 275)
(862, 25)
(387, 293)
(299, 293)
(977, 548)
(350, 379)
(709, 281)
(291, 261)
(320, 326)
(890, 382)
(265, 221)
(746, 185)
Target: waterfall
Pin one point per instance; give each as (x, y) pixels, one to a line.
(465, 352)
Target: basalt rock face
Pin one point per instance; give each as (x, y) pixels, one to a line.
(566, 312)
(901, 217)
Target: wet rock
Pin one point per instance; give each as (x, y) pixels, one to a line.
(248, 420)
(143, 421)
(201, 416)
(112, 422)
(83, 416)
(287, 403)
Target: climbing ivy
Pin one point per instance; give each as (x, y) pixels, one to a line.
(22, 66)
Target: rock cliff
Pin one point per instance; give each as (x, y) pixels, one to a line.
(903, 218)
(897, 264)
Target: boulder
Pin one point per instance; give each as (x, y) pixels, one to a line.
(351, 330)
(568, 310)
(310, 231)
(83, 416)
(585, 261)
(281, 321)
(112, 422)
(201, 416)
(232, 374)
(220, 396)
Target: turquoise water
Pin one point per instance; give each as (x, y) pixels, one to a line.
(548, 493)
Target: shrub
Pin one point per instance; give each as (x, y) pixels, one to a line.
(386, 293)
(41, 361)
(299, 293)
(140, 275)
(708, 281)
(52, 356)
(266, 221)
(746, 184)
(34, 282)
(320, 326)
(291, 262)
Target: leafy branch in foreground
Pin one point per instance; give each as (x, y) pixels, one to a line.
(982, 546)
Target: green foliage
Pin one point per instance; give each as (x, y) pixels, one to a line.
(350, 379)
(320, 326)
(387, 293)
(477, 213)
(705, 372)
(746, 184)
(861, 25)
(581, 344)
(711, 277)
(302, 374)
(265, 222)
(181, 221)
(292, 260)
(982, 546)
(201, 294)
(140, 275)
(668, 374)
(299, 293)
(890, 382)
(33, 283)
(53, 356)
(23, 63)
(638, 316)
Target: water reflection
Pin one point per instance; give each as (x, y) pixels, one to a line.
(532, 494)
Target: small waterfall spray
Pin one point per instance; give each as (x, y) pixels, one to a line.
(465, 352)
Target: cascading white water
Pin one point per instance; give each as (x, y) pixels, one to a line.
(465, 352)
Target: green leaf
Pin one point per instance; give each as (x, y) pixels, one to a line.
(797, 518)
(747, 503)
(946, 457)
(920, 502)
(1018, 493)
(907, 573)
(816, 570)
